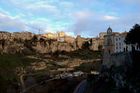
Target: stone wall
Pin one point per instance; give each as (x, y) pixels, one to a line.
(123, 69)
(117, 59)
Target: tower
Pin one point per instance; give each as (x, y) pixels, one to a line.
(109, 31)
(109, 41)
(108, 48)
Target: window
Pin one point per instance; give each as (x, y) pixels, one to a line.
(119, 38)
(120, 44)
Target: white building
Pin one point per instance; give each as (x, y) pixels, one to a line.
(115, 42)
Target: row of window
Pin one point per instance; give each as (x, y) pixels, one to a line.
(118, 39)
(118, 44)
(118, 47)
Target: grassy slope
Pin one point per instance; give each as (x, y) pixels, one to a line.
(8, 64)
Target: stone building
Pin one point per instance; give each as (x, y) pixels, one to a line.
(108, 42)
(95, 44)
(69, 39)
(98, 42)
(79, 41)
(61, 36)
(102, 34)
(50, 35)
(115, 42)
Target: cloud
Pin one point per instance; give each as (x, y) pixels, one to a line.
(42, 6)
(108, 17)
(89, 24)
(8, 22)
(85, 17)
(4, 12)
(31, 7)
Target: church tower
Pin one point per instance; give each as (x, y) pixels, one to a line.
(108, 48)
(109, 31)
(108, 41)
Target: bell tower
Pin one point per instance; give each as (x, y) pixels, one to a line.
(108, 48)
(109, 31)
(109, 37)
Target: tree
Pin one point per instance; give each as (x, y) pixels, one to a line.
(85, 45)
(133, 37)
(100, 47)
(34, 38)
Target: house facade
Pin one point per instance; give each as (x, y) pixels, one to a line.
(114, 42)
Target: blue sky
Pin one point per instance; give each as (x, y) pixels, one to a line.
(84, 17)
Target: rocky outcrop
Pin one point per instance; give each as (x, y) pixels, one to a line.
(13, 42)
(27, 42)
(124, 71)
(79, 41)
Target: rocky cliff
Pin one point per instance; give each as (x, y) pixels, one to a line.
(26, 42)
(124, 71)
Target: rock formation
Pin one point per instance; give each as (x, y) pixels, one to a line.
(27, 42)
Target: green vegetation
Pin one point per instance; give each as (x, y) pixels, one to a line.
(8, 64)
(85, 54)
(85, 67)
(133, 36)
(80, 53)
(88, 67)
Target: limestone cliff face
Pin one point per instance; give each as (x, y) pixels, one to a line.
(53, 47)
(23, 42)
(22, 35)
(13, 42)
(26, 42)
(79, 42)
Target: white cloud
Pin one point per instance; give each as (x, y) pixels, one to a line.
(11, 23)
(34, 7)
(4, 12)
(108, 17)
(44, 14)
(81, 15)
(42, 6)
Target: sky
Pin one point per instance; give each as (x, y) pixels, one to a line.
(75, 17)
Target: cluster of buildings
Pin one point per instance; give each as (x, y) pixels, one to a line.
(60, 36)
(111, 42)
(116, 51)
(114, 42)
(96, 43)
